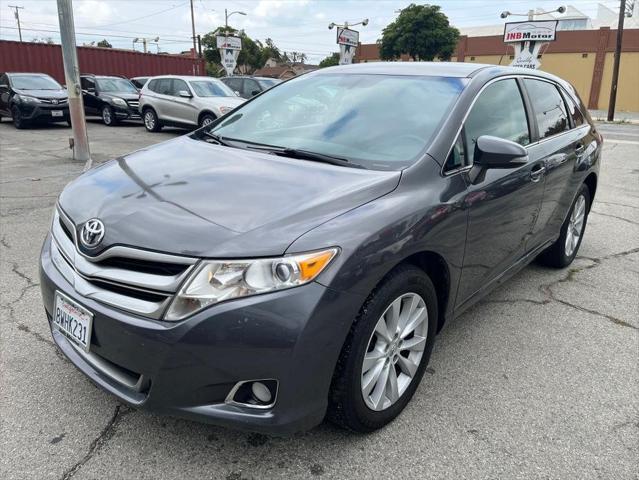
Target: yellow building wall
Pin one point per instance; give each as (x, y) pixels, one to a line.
(628, 87)
(573, 68)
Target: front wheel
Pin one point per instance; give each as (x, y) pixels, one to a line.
(108, 116)
(16, 115)
(561, 253)
(151, 120)
(386, 352)
(206, 119)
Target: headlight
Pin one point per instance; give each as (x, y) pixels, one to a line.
(119, 102)
(220, 280)
(225, 110)
(28, 99)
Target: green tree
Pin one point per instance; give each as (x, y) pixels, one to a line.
(104, 43)
(249, 60)
(270, 50)
(330, 61)
(421, 31)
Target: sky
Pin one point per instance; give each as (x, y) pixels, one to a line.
(294, 25)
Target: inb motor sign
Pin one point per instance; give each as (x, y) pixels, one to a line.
(527, 39)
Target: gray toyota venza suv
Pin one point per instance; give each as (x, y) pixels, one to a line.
(296, 258)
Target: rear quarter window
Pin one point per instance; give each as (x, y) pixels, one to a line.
(549, 108)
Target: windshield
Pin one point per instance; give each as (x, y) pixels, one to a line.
(34, 82)
(268, 82)
(378, 121)
(115, 85)
(211, 88)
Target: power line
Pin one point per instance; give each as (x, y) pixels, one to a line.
(144, 16)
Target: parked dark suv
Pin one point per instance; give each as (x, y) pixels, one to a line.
(32, 97)
(248, 87)
(297, 256)
(112, 98)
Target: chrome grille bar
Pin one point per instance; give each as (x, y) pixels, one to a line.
(143, 293)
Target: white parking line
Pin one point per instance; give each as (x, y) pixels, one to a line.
(614, 140)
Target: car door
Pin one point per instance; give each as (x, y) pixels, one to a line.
(566, 137)
(182, 109)
(4, 94)
(89, 96)
(503, 203)
(161, 97)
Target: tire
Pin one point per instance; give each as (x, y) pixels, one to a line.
(558, 255)
(151, 120)
(206, 119)
(108, 116)
(347, 406)
(16, 116)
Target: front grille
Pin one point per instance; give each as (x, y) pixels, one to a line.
(133, 103)
(53, 101)
(130, 279)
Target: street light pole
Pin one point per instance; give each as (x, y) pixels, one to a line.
(80, 141)
(226, 18)
(615, 69)
(17, 15)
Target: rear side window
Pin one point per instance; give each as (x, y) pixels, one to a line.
(575, 113)
(549, 107)
(153, 85)
(499, 111)
(163, 86)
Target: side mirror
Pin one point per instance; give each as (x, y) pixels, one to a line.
(4, 86)
(184, 94)
(91, 90)
(237, 93)
(495, 152)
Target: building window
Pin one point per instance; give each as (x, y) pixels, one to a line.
(584, 55)
(472, 59)
(512, 57)
(538, 57)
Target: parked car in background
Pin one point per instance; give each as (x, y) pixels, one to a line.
(289, 261)
(139, 81)
(247, 87)
(184, 101)
(32, 97)
(112, 98)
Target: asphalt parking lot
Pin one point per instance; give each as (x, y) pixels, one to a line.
(540, 380)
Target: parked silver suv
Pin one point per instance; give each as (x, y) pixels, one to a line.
(184, 101)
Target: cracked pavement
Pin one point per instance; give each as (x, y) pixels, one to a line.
(540, 380)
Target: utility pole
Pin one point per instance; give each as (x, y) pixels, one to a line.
(193, 30)
(615, 68)
(80, 141)
(17, 15)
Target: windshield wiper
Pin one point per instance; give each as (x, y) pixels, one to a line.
(306, 155)
(217, 138)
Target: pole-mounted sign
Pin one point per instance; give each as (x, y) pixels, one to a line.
(229, 47)
(527, 38)
(347, 40)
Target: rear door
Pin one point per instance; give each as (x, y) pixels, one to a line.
(89, 95)
(503, 204)
(161, 97)
(564, 135)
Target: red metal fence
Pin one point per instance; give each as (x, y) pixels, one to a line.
(44, 58)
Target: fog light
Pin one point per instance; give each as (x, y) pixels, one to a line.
(261, 392)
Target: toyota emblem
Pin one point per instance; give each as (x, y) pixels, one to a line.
(54, 101)
(92, 233)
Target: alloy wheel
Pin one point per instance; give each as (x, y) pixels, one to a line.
(207, 121)
(106, 115)
(149, 120)
(394, 351)
(575, 226)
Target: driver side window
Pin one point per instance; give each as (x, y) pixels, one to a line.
(499, 111)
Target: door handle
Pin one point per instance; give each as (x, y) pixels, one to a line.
(537, 172)
(579, 147)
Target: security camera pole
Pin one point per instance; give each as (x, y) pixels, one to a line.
(347, 40)
(80, 141)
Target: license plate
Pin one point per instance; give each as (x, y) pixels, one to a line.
(57, 113)
(73, 321)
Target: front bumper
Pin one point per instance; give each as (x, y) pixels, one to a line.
(43, 113)
(126, 113)
(187, 368)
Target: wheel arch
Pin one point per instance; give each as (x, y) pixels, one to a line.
(206, 112)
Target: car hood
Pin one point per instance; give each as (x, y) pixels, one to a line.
(43, 93)
(190, 197)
